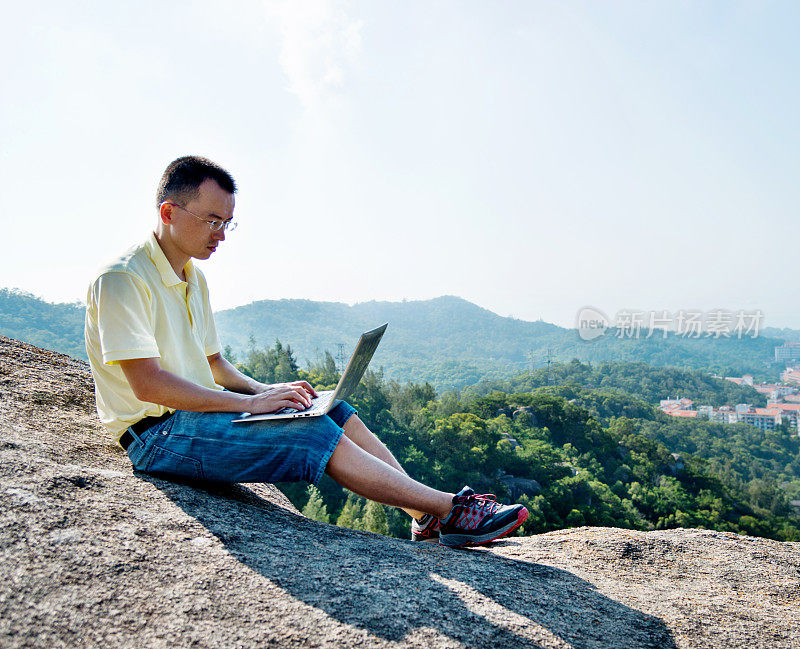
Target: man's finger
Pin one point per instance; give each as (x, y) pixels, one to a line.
(302, 396)
(287, 396)
(290, 404)
(308, 387)
(295, 394)
(295, 400)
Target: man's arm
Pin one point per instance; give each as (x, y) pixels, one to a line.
(150, 382)
(226, 375)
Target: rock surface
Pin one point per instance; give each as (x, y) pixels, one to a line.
(93, 554)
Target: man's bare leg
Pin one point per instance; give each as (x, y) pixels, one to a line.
(369, 476)
(357, 431)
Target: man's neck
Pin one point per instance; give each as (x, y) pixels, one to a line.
(175, 257)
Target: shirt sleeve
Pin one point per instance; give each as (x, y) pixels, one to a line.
(123, 318)
(211, 342)
(212, 345)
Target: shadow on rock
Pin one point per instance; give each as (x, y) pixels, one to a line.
(393, 588)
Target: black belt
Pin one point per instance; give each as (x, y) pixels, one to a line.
(140, 426)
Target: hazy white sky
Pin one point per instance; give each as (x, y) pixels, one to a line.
(532, 157)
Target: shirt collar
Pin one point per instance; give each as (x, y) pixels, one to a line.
(163, 266)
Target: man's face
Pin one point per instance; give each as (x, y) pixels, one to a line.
(192, 235)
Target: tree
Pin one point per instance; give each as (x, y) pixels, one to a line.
(315, 508)
(323, 373)
(229, 355)
(352, 513)
(375, 518)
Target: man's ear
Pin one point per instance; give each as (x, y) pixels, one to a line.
(165, 212)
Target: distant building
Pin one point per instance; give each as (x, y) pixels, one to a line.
(676, 404)
(791, 375)
(790, 413)
(724, 415)
(787, 352)
(783, 406)
(762, 418)
(775, 391)
(790, 378)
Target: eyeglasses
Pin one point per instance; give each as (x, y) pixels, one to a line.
(216, 225)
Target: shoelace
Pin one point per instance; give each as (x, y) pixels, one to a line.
(482, 502)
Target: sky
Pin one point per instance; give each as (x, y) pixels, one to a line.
(532, 157)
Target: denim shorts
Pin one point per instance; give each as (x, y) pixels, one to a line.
(209, 446)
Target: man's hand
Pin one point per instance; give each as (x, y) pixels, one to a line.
(297, 395)
(305, 385)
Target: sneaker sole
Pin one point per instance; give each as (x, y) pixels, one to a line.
(462, 540)
(426, 539)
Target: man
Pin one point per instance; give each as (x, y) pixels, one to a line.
(159, 378)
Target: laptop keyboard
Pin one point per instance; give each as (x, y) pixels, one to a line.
(320, 403)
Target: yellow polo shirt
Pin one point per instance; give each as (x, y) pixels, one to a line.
(137, 307)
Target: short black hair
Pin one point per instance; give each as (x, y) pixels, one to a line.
(182, 179)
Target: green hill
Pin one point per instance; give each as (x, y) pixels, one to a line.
(453, 343)
(54, 326)
(640, 379)
(789, 335)
(447, 341)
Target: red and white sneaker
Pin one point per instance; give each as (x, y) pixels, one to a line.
(426, 529)
(477, 519)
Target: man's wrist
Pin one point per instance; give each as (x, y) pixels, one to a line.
(244, 402)
(256, 387)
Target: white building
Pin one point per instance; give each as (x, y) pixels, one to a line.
(787, 352)
(762, 418)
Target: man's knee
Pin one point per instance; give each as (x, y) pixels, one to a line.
(343, 448)
(353, 424)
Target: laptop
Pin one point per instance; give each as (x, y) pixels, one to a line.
(326, 400)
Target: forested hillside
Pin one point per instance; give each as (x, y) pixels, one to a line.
(789, 335)
(650, 383)
(452, 343)
(574, 456)
(54, 326)
(447, 341)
